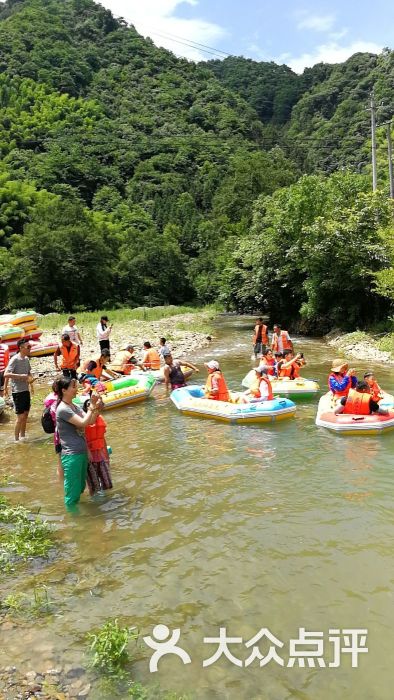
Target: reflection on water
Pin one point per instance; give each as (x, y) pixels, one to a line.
(213, 525)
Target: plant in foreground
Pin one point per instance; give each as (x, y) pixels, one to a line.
(109, 645)
(23, 535)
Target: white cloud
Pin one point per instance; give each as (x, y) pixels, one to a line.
(317, 23)
(154, 17)
(328, 53)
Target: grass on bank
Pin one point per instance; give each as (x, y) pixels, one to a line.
(22, 535)
(52, 322)
(109, 649)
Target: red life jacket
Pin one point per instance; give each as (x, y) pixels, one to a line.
(357, 403)
(375, 391)
(223, 394)
(95, 433)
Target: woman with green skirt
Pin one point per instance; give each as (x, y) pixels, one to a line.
(71, 422)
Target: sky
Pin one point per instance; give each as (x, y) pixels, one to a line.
(298, 33)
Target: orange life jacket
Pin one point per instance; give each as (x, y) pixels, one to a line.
(338, 394)
(223, 394)
(255, 388)
(97, 371)
(293, 372)
(152, 359)
(69, 356)
(285, 341)
(263, 332)
(121, 362)
(358, 403)
(95, 433)
(270, 364)
(375, 391)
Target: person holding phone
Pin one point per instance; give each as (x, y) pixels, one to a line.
(103, 331)
(71, 422)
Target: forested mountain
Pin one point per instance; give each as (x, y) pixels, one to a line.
(320, 118)
(128, 175)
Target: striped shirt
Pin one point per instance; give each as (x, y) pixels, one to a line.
(4, 356)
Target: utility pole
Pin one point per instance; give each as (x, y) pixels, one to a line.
(390, 153)
(373, 136)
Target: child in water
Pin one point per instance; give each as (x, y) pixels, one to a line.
(51, 402)
(99, 475)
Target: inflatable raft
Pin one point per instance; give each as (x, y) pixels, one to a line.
(291, 388)
(24, 317)
(42, 349)
(124, 391)
(8, 332)
(191, 401)
(158, 374)
(349, 424)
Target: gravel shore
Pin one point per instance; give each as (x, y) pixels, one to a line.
(360, 346)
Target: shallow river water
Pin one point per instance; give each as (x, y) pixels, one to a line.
(211, 525)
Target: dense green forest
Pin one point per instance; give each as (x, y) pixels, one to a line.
(130, 176)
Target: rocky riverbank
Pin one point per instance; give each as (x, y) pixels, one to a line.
(362, 346)
(64, 683)
(185, 333)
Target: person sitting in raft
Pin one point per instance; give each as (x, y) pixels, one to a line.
(278, 363)
(260, 337)
(93, 369)
(359, 402)
(164, 349)
(173, 375)
(268, 361)
(291, 365)
(70, 354)
(374, 388)
(281, 340)
(125, 361)
(260, 387)
(216, 387)
(151, 358)
(341, 378)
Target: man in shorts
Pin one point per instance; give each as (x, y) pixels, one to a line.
(19, 372)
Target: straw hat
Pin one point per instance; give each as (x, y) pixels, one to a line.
(338, 364)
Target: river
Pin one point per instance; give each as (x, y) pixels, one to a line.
(211, 525)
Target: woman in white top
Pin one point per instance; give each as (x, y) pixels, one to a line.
(103, 332)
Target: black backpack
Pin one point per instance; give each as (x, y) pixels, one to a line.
(47, 421)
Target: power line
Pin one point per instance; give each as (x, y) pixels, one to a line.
(177, 41)
(196, 43)
(183, 40)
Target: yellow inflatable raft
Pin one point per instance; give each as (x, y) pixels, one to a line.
(300, 388)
